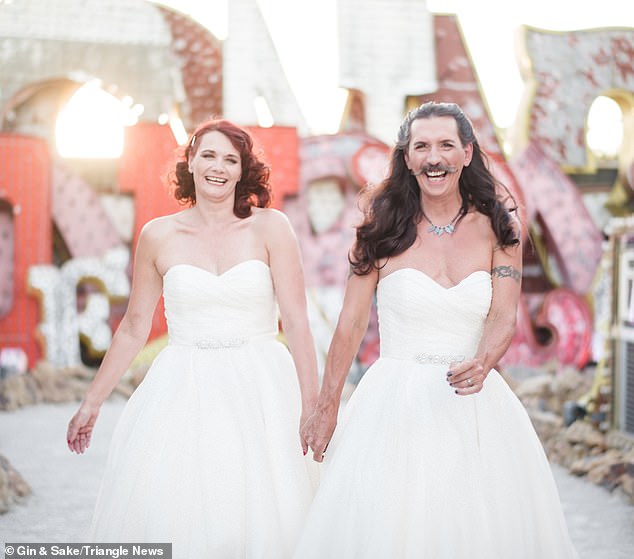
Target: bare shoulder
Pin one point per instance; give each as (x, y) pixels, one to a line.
(273, 228)
(270, 221)
(270, 216)
(479, 218)
(480, 225)
(160, 228)
(155, 227)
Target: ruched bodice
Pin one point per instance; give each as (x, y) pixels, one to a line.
(419, 316)
(208, 310)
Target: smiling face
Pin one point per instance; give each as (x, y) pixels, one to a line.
(436, 156)
(216, 167)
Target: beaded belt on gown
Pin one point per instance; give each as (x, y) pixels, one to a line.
(437, 358)
(215, 343)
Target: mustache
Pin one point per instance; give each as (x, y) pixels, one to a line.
(432, 168)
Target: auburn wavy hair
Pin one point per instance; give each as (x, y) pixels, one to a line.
(394, 207)
(252, 189)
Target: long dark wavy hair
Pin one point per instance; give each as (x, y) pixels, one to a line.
(391, 217)
(252, 189)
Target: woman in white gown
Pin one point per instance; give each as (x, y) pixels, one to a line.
(434, 456)
(207, 454)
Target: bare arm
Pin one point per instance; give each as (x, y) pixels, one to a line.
(499, 327)
(500, 323)
(351, 327)
(126, 343)
(288, 279)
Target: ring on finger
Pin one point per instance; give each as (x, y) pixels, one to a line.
(470, 381)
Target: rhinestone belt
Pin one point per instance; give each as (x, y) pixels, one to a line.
(219, 343)
(437, 359)
(223, 343)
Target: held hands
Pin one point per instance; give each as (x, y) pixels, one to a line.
(303, 420)
(317, 432)
(80, 428)
(467, 377)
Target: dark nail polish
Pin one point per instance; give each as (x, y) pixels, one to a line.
(449, 373)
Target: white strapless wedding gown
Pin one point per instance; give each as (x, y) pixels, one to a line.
(207, 453)
(416, 471)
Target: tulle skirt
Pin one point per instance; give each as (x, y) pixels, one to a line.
(207, 456)
(416, 471)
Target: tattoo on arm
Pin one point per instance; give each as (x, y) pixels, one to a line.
(506, 272)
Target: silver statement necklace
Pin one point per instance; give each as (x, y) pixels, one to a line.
(439, 230)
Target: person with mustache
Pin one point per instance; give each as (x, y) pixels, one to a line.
(434, 456)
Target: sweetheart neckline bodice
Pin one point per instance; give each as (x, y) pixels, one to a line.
(418, 315)
(408, 269)
(207, 309)
(233, 268)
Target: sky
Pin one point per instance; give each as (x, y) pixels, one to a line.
(308, 51)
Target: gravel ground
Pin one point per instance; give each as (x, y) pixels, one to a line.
(65, 486)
